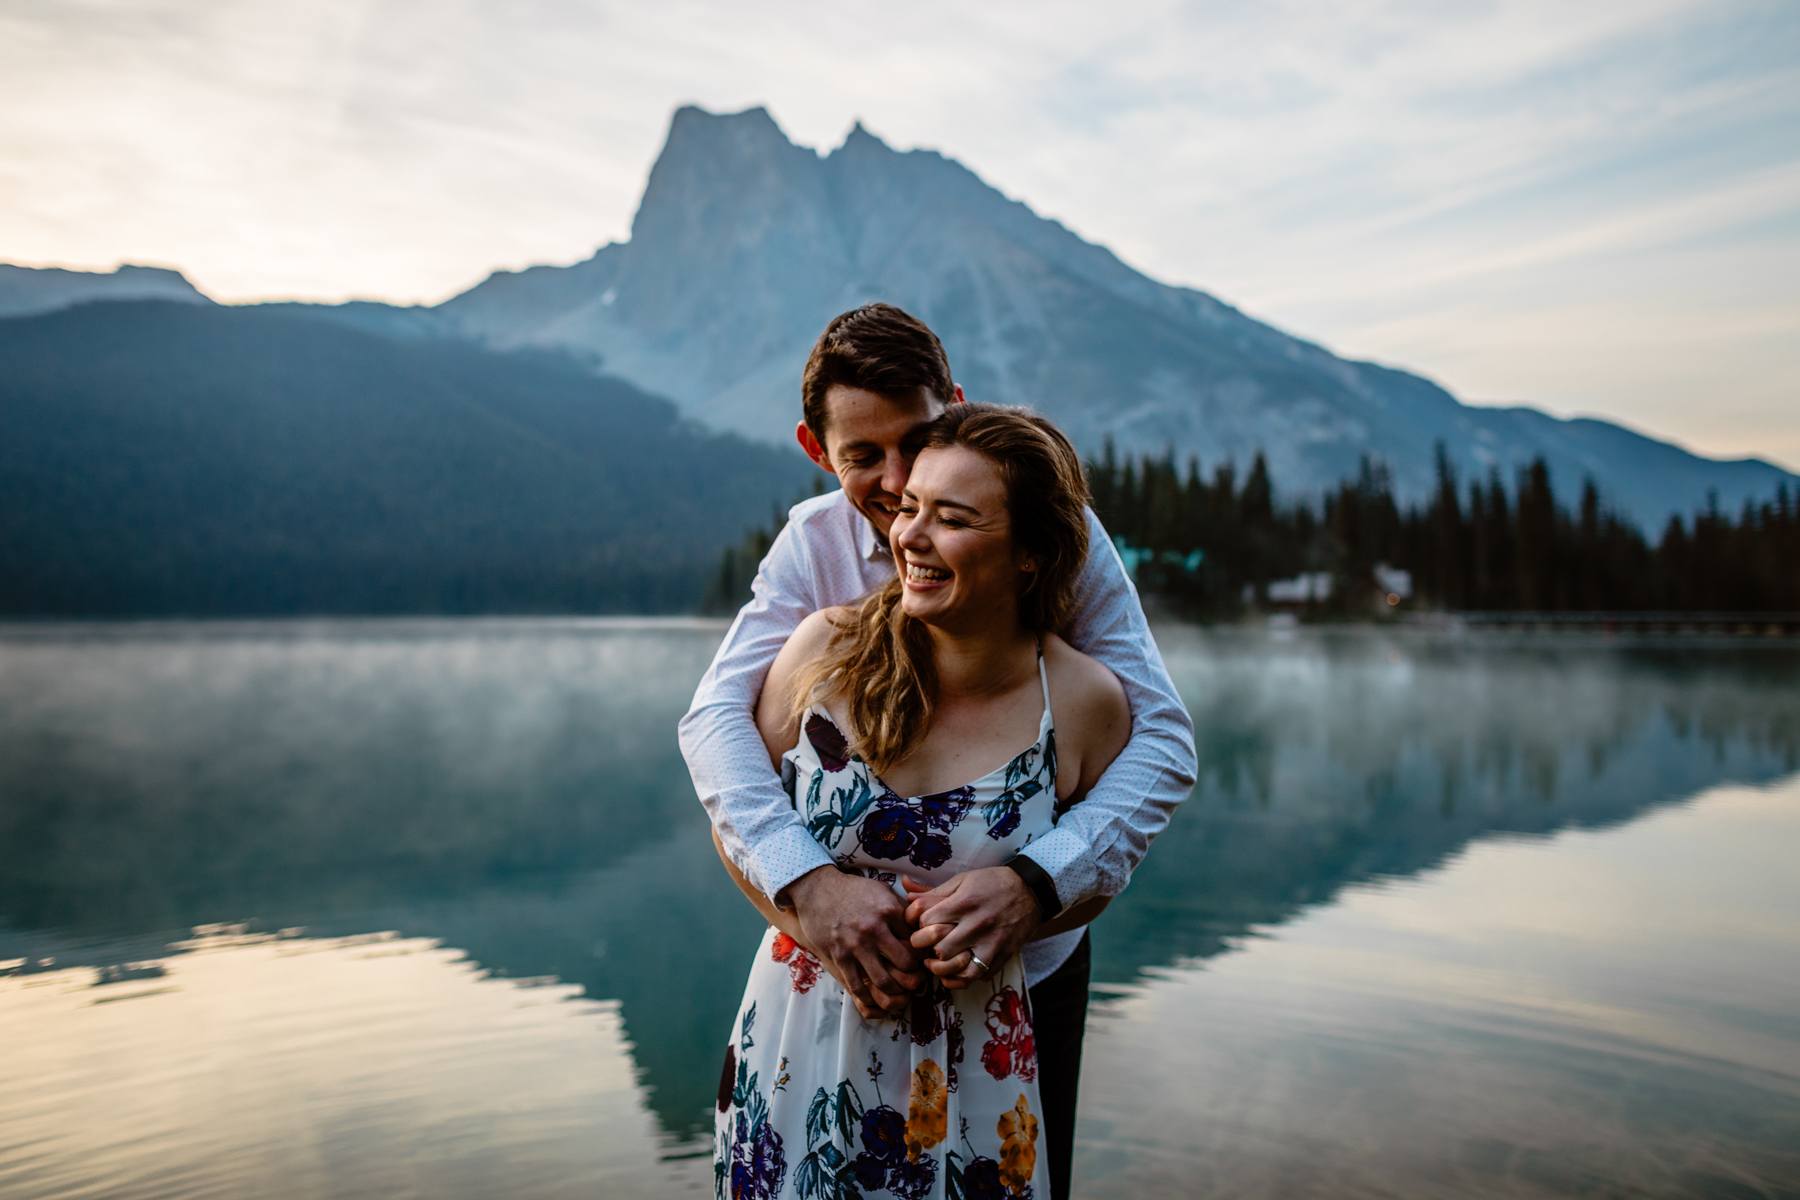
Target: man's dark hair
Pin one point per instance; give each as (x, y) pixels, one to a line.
(878, 348)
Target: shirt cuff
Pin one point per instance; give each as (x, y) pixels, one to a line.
(1064, 857)
(1038, 881)
(785, 857)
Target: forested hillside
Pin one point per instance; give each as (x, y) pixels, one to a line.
(167, 458)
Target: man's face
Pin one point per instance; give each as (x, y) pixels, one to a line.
(870, 443)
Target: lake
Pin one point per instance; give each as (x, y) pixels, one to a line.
(428, 908)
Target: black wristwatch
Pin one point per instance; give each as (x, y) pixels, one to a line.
(1038, 880)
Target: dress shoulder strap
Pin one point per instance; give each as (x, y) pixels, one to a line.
(1044, 678)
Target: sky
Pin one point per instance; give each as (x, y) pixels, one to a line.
(1592, 209)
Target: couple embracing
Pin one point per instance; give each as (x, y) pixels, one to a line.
(933, 745)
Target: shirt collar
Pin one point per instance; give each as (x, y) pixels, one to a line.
(874, 546)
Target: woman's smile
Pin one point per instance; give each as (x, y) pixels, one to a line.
(920, 577)
(952, 539)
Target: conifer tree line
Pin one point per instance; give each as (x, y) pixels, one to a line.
(1202, 541)
(1484, 548)
(729, 587)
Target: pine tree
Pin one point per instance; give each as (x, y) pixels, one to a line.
(1450, 539)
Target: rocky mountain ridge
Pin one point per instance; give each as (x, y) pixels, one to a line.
(27, 291)
(745, 244)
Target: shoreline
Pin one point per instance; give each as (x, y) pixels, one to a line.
(1704, 629)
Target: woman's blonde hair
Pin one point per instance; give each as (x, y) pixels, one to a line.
(879, 659)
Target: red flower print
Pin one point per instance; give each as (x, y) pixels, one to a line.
(827, 742)
(803, 967)
(931, 1013)
(1008, 1007)
(996, 1056)
(805, 970)
(1010, 1047)
(728, 1077)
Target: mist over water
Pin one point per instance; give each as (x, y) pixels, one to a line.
(395, 906)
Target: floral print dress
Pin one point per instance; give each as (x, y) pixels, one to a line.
(815, 1102)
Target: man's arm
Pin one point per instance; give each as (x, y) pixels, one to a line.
(855, 925)
(755, 819)
(1099, 842)
(788, 922)
(785, 920)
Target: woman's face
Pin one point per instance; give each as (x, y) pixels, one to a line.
(952, 540)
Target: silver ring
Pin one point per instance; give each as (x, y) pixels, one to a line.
(984, 967)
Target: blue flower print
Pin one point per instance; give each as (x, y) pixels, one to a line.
(871, 1172)
(1009, 821)
(943, 810)
(757, 1164)
(892, 829)
(931, 851)
(912, 1180)
(884, 1134)
(982, 1181)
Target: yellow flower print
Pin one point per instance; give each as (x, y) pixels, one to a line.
(925, 1116)
(1018, 1130)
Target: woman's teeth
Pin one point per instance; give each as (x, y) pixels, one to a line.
(925, 574)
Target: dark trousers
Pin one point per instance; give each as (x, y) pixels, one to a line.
(1059, 1019)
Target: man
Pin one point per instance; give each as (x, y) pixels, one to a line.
(876, 378)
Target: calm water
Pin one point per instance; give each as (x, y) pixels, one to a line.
(428, 909)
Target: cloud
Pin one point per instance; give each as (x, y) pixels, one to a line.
(1347, 177)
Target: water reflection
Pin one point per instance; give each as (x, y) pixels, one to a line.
(512, 789)
(262, 1064)
(1339, 757)
(1542, 1017)
(160, 776)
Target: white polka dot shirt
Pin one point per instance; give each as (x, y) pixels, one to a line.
(829, 554)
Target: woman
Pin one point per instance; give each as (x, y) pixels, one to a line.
(882, 717)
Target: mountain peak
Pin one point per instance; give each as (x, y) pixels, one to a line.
(745, 244)
(860, 139)
(691, 120)
(28, 290)
(140, 271)
(713, 168)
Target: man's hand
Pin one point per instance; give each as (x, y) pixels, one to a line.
(988, 911)
(857, 928)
